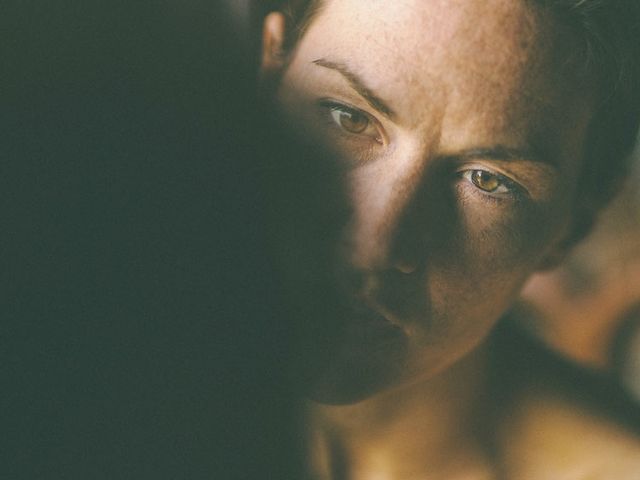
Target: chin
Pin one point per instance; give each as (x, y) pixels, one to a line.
(356, 375)
(346, 390)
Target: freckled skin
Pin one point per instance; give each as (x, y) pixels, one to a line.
(431, 252)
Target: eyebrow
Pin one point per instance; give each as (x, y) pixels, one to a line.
(500, 152)
(358, 85)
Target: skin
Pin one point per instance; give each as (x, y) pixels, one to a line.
(438, 257)
(459, 143)
(545, 436)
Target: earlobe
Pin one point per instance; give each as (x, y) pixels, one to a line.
(553, 259)
(574, 233)
(273, 36)
(560, 251)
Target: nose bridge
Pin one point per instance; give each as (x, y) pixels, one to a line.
(383, 198)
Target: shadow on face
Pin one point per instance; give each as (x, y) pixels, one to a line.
(460, 145)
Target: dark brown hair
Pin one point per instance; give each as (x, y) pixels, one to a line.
(299, 14)
(609, 31)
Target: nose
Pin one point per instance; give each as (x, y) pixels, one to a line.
(386, 246)
(405, 267)
(387, 231)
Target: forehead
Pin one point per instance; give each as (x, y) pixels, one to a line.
(409, 42)
(499, 58)
(423, 23)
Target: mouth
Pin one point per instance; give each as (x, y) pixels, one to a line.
(367, 353)
(365, 323)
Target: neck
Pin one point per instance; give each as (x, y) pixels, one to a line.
(428, 427)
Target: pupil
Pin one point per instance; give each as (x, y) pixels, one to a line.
(485, 181)
(353, 122)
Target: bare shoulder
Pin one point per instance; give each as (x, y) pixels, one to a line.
(545, 435)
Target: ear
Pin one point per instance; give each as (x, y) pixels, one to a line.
(573, 233)
(564, 245)
(558, 251)
(554, 258)
(273, 37)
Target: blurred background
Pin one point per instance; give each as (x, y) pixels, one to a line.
(141, 328)
(588, 309)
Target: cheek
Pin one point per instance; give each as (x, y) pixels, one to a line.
(489, 254)
(508, 237)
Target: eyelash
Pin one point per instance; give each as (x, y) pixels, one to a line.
(514, 192)
(331, 106)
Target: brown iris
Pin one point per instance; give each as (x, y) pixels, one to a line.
(485, 181)
(351, 121)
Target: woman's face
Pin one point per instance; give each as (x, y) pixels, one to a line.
(460, 130)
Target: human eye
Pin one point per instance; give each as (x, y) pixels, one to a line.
(491, 184)
(352, 121)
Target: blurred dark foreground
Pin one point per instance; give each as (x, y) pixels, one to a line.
(142, 328)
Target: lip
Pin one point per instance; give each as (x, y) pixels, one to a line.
(365, 322)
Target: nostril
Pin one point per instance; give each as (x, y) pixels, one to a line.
(405, 267)
(356, 282)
